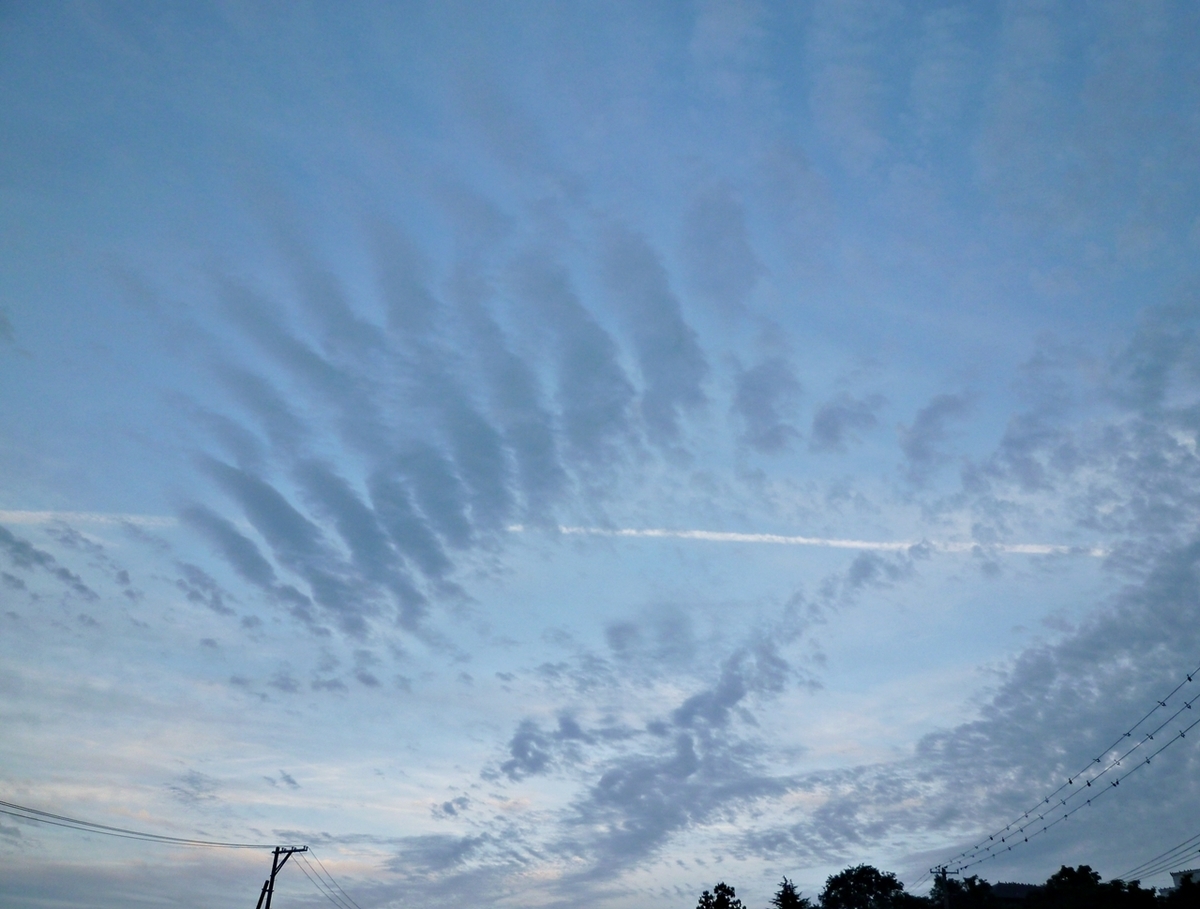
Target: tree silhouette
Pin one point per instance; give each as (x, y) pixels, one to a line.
(722, 897)
(788, 897)
(863, 887)
(1080, 888)
(969, 893)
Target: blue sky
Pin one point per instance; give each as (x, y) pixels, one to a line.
(350, 353)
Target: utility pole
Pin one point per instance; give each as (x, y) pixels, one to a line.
(941, 872)
(276, 865)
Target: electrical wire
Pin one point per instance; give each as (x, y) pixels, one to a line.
(328, 886)
(71, 823)
(1103, 792)
(319, 884)
(1079, 782)
(1167, 864)
(1167, 858)
(332, 881)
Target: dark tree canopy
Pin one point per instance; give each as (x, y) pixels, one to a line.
(862, 887)
(1080, 888)
(788, 897)
(1185, 896)
(866, 887)
(969, 893)
(722, 897)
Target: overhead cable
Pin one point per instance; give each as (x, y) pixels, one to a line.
(72, 823)
(1079, 783)
(1102, 791)
(346, 895)
(311, 873)
(1165, 859)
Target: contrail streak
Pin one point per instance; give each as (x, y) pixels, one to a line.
(84, 517)
(723, 536)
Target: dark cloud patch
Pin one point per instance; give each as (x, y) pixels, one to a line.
(435, 853)
(263, 323)
(640, 800)
(722, 265)
(764, 397)
(1163, 354)
(263, 401)
(594, 394)
(299, 544)
(334, 685)
(345, 336)
(515, 398)
(452, 807)
(756, 669)
(200, 587)
(666, 637)
(24, 554)
(535, 751)
(866, 571)
(922, 442)
(238, 442)
(870, 569)
(478, 452)
(239, 550)
(12, 582)
(193, 788)
(359, 529)
(438, 490)
(837, 422)
(407, 529)
(669, 355)
(7, 333)
(403, 277)
(284, 681)
(68, 536)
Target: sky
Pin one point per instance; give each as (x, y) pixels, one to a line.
(571, 454)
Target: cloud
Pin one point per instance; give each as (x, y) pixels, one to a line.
(535, 751)
(669, 355)
(239, 550)
(762, 399)
(921, 442)
(594, 394)
(299, 544)
(200, 587)
(23, 554)
(722, 266)
(409, 533)
(359, 529)
(837, 422)
(85, 517)
(516, 399)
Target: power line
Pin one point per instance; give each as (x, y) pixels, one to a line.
(322, 888)
(1167, 858)
(1100, 794)
(72, 823)
(1079, 783)
(332, 881)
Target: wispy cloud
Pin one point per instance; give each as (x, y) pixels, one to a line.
(85, 517)
(725, 536)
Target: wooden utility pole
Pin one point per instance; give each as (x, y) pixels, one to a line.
(276, 864)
